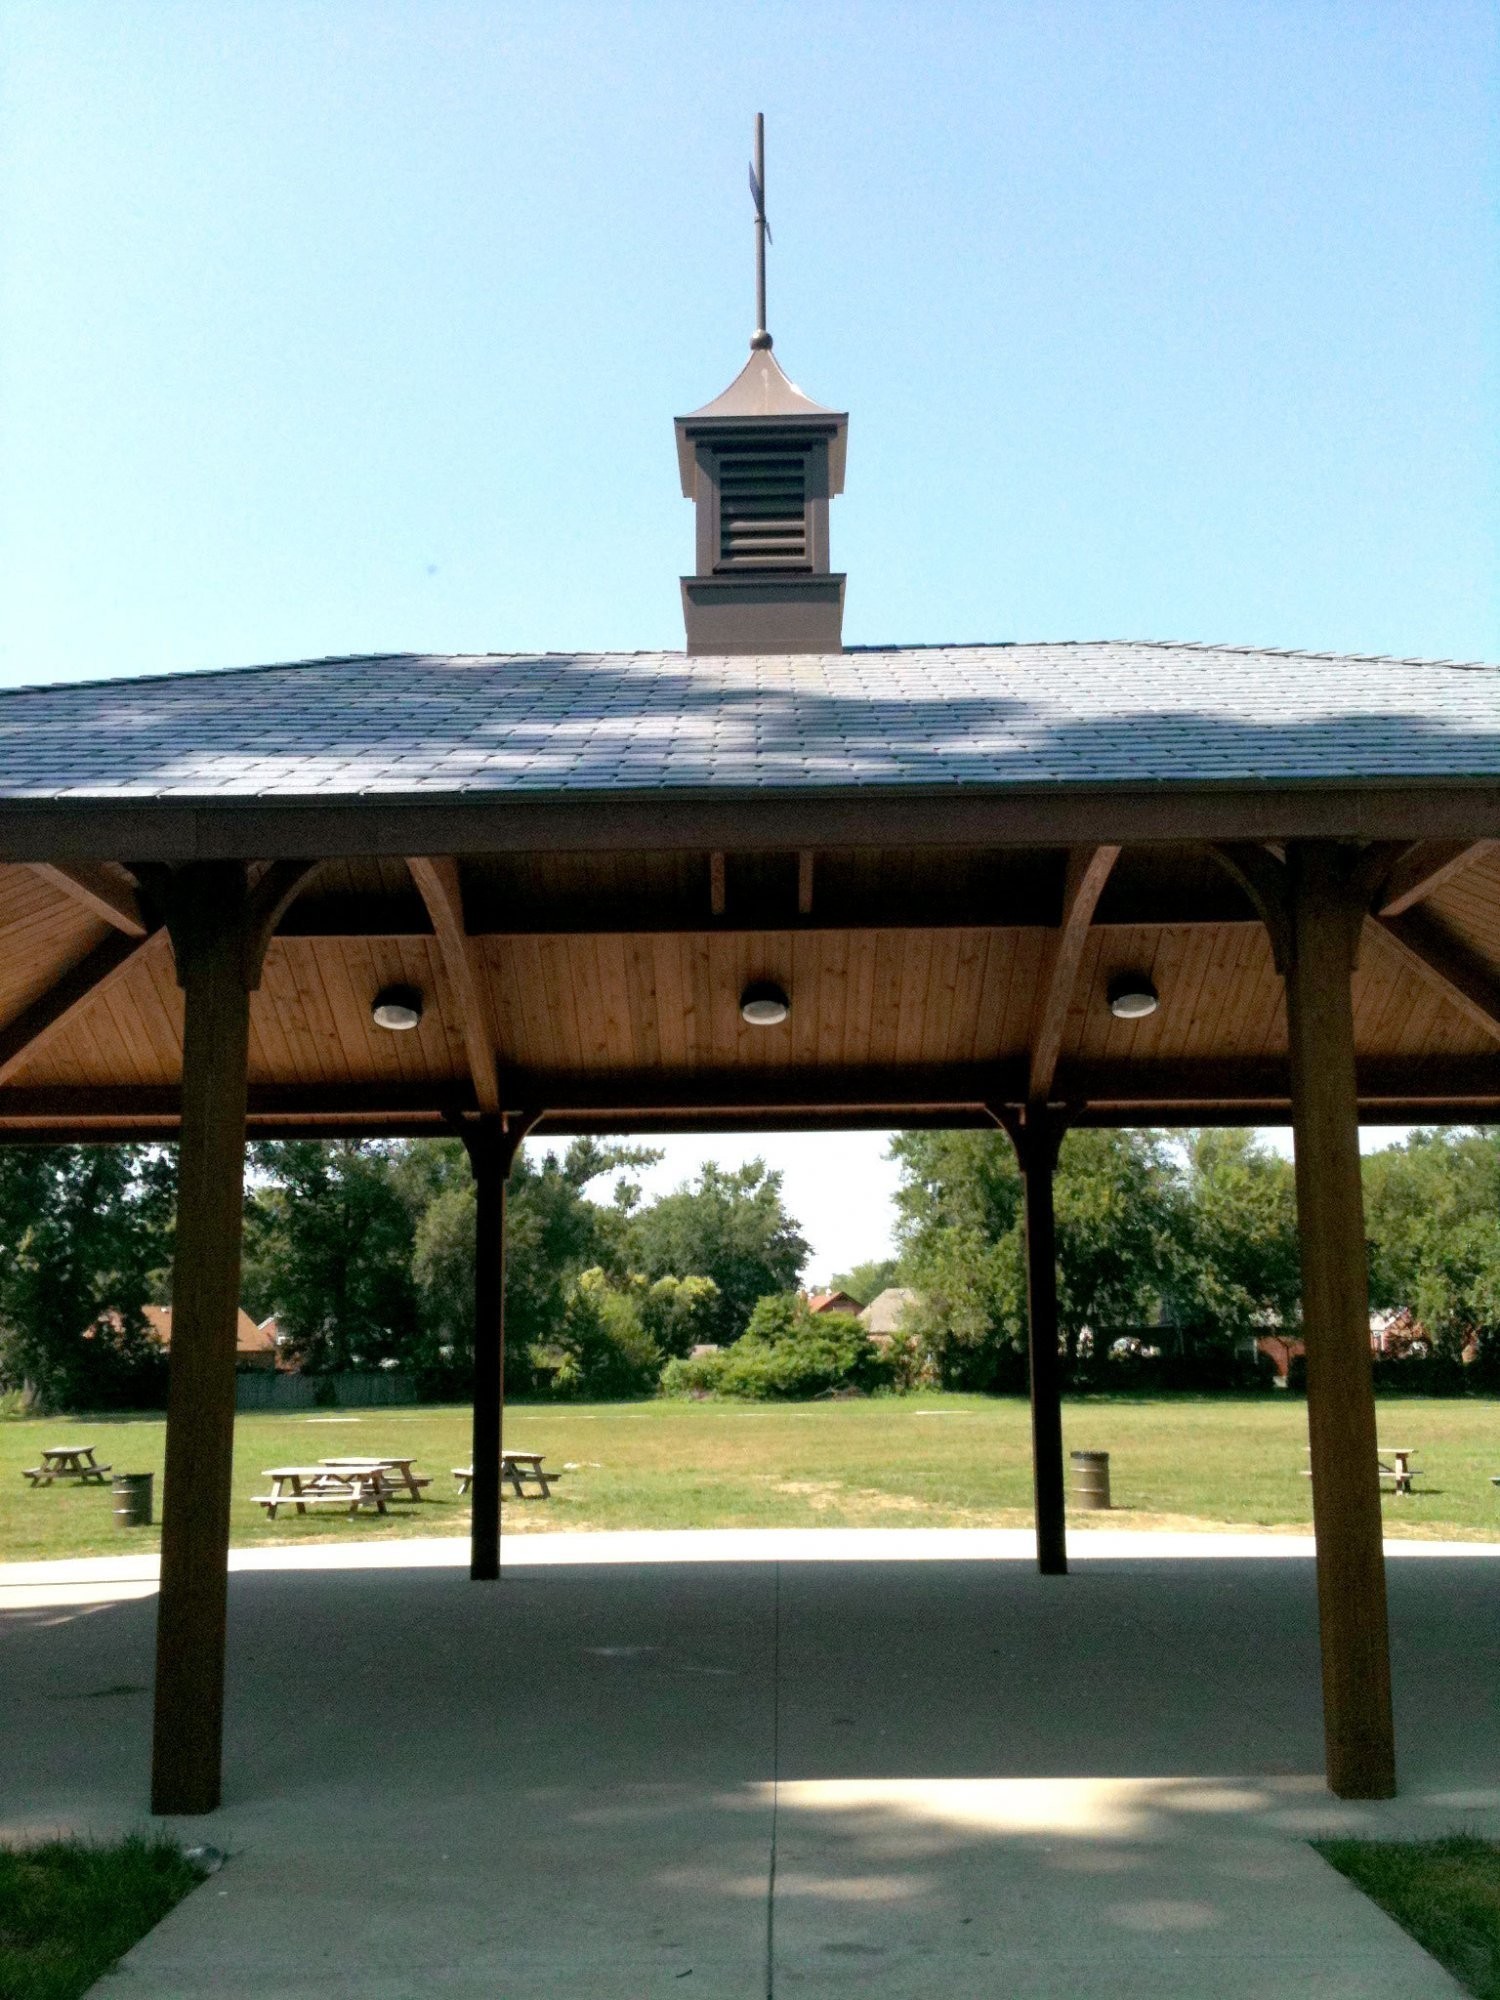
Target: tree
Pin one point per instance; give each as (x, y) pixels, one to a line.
(959, 1227)
(731, 1226)
(868, 1280)
(553, 1232)
(1432, 1212)
(329, 1240)
(85, 1241)
(1120, 1230)
(1240, 1273)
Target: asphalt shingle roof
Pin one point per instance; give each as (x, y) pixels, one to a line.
(1086, 714)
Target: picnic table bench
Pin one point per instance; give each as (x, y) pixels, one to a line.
(397, 1473)
(66, 1461)
(304, 1486)
(521, 1468)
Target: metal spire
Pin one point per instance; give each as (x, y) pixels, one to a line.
(760, 337)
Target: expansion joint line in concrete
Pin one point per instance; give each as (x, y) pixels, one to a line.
(775, 1782)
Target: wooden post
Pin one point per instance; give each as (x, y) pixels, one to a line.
(209, 919)
(492, 1144)
(1321, 935)
(1037, 1139)
(487, 1158)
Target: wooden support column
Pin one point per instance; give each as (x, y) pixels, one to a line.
(492, 1144)
(210, 925)
(1324, 912)
(1038, 1137)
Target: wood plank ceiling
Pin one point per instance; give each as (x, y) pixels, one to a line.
(924, 984)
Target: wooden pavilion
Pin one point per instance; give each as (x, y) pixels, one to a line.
(768, 882)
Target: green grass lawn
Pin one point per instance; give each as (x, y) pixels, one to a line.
(70, 1910)
(929, 1460)
(1445, 1892)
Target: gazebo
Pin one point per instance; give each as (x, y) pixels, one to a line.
(770, 881)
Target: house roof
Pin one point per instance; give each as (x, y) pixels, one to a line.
(248, 1337)
(1011, 717)
(886, 1310)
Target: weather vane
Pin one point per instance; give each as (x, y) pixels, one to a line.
(760, 337)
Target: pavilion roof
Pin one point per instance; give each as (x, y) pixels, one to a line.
(1089, 714)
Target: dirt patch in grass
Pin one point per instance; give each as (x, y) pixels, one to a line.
(69, 1910)
(1446, 1893)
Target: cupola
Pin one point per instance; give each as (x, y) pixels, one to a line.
(761, 463)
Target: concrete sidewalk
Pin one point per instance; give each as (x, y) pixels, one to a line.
(741, 1777)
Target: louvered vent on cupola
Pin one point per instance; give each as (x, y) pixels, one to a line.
(761, 463)
(762, 508)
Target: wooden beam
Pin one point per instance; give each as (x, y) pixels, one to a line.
(1088, 871)
(28, 1033)
(804, 882)
(438, 880)
(767, 820)
(101, 889)
(625, 1092)
(1262, 876)
(271, 896)
(1434, 1089)
(210, 924)
(1357, 1725)
(1447, 965)
(716, 889)
(1426, 867)
(632, 918)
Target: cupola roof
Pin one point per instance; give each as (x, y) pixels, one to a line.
(763, 390)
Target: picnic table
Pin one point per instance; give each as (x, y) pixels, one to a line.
(66, 1461)
(521, 1468)
(304, 1486)
(396, 1472)
(1400, 1469)
(1393, 1462)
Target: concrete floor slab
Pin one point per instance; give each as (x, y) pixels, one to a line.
(946, 1776)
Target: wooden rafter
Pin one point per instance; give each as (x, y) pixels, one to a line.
(1426, 867)
(28, 1033)
(1088, 871)
(103, 890)
(1447, 965)
(436, 876)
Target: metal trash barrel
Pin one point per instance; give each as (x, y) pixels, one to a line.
(1090, 1479)
(132, 1491)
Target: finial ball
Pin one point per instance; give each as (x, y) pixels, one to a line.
(760, 338)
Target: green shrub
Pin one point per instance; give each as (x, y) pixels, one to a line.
(695, 1375)
(788, 1354)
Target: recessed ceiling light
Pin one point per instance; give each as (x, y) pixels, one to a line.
(763, 1004)
(1132, 997)
(397, 1008)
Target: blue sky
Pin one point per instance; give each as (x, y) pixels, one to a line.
(338, 327)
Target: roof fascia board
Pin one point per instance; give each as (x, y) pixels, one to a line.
(63, 830)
